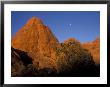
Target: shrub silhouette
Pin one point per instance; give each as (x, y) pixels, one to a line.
(72, 59)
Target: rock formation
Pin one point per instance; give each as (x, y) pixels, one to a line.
(19, 61)
(38, 41)
(94, 48)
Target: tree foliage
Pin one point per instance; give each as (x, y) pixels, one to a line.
(72, 57)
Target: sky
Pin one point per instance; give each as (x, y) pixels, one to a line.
(82, 25)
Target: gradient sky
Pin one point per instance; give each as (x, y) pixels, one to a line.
(82, 25)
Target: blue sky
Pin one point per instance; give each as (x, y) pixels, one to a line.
(82, 25)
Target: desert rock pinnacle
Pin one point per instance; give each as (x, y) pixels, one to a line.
(38, 40)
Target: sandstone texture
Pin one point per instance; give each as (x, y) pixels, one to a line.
(94, 48)
(39, 41)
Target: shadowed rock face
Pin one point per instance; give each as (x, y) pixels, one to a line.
(19, 61)
(22, 56)
(38, 41)
(94, 48)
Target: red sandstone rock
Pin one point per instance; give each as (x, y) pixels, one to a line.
(94, 48)
(38, 40)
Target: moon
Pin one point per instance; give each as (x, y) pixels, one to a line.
(70, 25)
